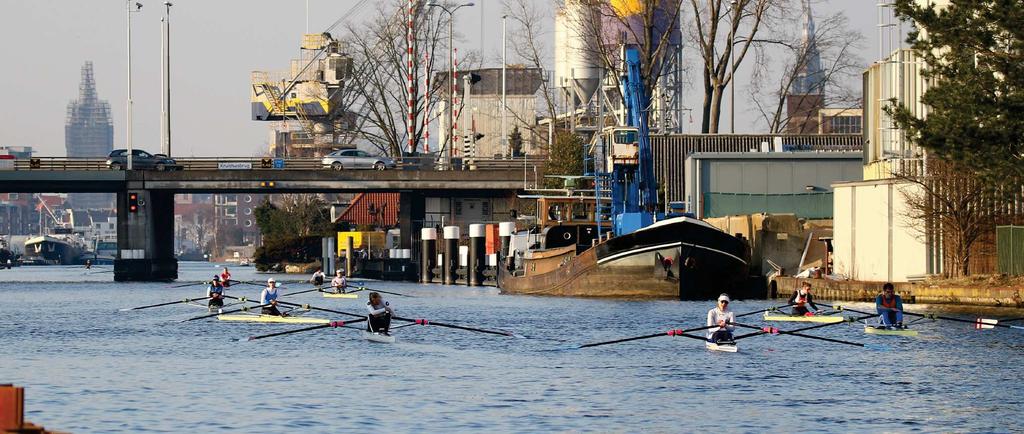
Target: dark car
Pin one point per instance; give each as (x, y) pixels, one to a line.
(356, 159)
(141, 160)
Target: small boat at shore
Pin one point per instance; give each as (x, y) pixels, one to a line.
(823, 319)
(273, 319)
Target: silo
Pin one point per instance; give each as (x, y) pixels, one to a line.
(577, 25)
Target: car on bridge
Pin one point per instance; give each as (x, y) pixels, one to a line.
(356, 159)
(141, 160)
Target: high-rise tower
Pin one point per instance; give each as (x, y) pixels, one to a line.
(89, 133)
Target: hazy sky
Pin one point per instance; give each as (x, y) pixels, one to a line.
(215, 46)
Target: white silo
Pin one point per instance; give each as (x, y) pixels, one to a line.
(577, 58)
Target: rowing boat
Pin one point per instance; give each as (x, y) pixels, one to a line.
(727, 347)
(342, 295)
(377, 337)
(814, 318)
(274, 319)
(871, 330)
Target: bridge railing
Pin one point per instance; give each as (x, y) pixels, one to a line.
(530, 163)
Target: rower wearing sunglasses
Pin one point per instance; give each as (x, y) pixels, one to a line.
(722, 317)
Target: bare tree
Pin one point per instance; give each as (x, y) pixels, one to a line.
(954, 205)
(525, 40)
(741, 21)
(379, 89)
(836, 43)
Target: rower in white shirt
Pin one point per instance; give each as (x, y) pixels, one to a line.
(723, 318)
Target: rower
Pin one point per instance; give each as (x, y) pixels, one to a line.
(268, 298)
(800, 299)
(380, 315)
(722, 317)
(216, 293)
(890, 307)
(339, 283)
(225, 277)
(318, 278)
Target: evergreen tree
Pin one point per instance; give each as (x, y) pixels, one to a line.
(974, 56)
(564, 158)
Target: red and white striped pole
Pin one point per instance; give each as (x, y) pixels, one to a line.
(410, 42)
(427, 106)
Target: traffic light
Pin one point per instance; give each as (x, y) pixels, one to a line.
(474, 78)
(477, 137)
(133, 202)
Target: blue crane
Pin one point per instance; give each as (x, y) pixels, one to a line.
(634, 188)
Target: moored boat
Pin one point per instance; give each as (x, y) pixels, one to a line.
(56, 249)
(680, 257)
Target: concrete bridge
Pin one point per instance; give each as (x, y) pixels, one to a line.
(145, 236)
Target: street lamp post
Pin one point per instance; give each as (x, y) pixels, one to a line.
(732, 68)
(165, 139)
(128, 17)
(451, 73)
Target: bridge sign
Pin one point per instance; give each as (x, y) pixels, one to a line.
(235, 165)
(279, 163)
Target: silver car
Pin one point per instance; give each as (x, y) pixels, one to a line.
(356, 159)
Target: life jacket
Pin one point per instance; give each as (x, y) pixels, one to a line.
(216, 288)
(271, 296)
(891, 304)
(800, 299)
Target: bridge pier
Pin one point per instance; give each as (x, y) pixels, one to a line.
(145, 237)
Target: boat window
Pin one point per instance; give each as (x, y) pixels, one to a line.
(625, 136)
(580, 211)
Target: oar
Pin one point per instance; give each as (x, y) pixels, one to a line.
(816, 326)
(306, 306)
(775, 330)
(363, 288)
(453, 326)
(306, 329)
(976, 323)
(654, 335)
(187, 300)
(189, 284)
(233, 281)
(985, 323)
(769, 309)
(244, 309)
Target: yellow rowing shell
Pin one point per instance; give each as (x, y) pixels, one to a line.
(815, 318)
(333, 295)
(273, 318)
(894, 332)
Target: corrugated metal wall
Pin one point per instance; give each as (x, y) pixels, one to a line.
(1010, 248)
(670, 151)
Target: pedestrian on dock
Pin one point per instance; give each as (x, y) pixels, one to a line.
(723, 318)
(339, 283)
(379, 320)
(890, 307)
(801, 299)
(268, 298)
(216, 293)
(318, 278)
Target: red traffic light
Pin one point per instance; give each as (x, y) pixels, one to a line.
(133, 202)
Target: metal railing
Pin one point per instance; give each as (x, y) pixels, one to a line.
(257, 163)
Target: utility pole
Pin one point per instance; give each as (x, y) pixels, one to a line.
(504, 95)
(451, 75)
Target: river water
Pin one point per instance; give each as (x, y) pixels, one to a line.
(89, 368)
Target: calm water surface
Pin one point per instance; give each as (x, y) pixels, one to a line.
(89, 368)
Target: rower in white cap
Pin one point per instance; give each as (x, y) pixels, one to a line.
(723, 318)
(268, 298)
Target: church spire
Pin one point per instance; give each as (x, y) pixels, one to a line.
(810, 78)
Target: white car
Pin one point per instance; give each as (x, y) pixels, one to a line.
(356, 159)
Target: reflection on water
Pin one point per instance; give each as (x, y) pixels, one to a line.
(90, 368)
